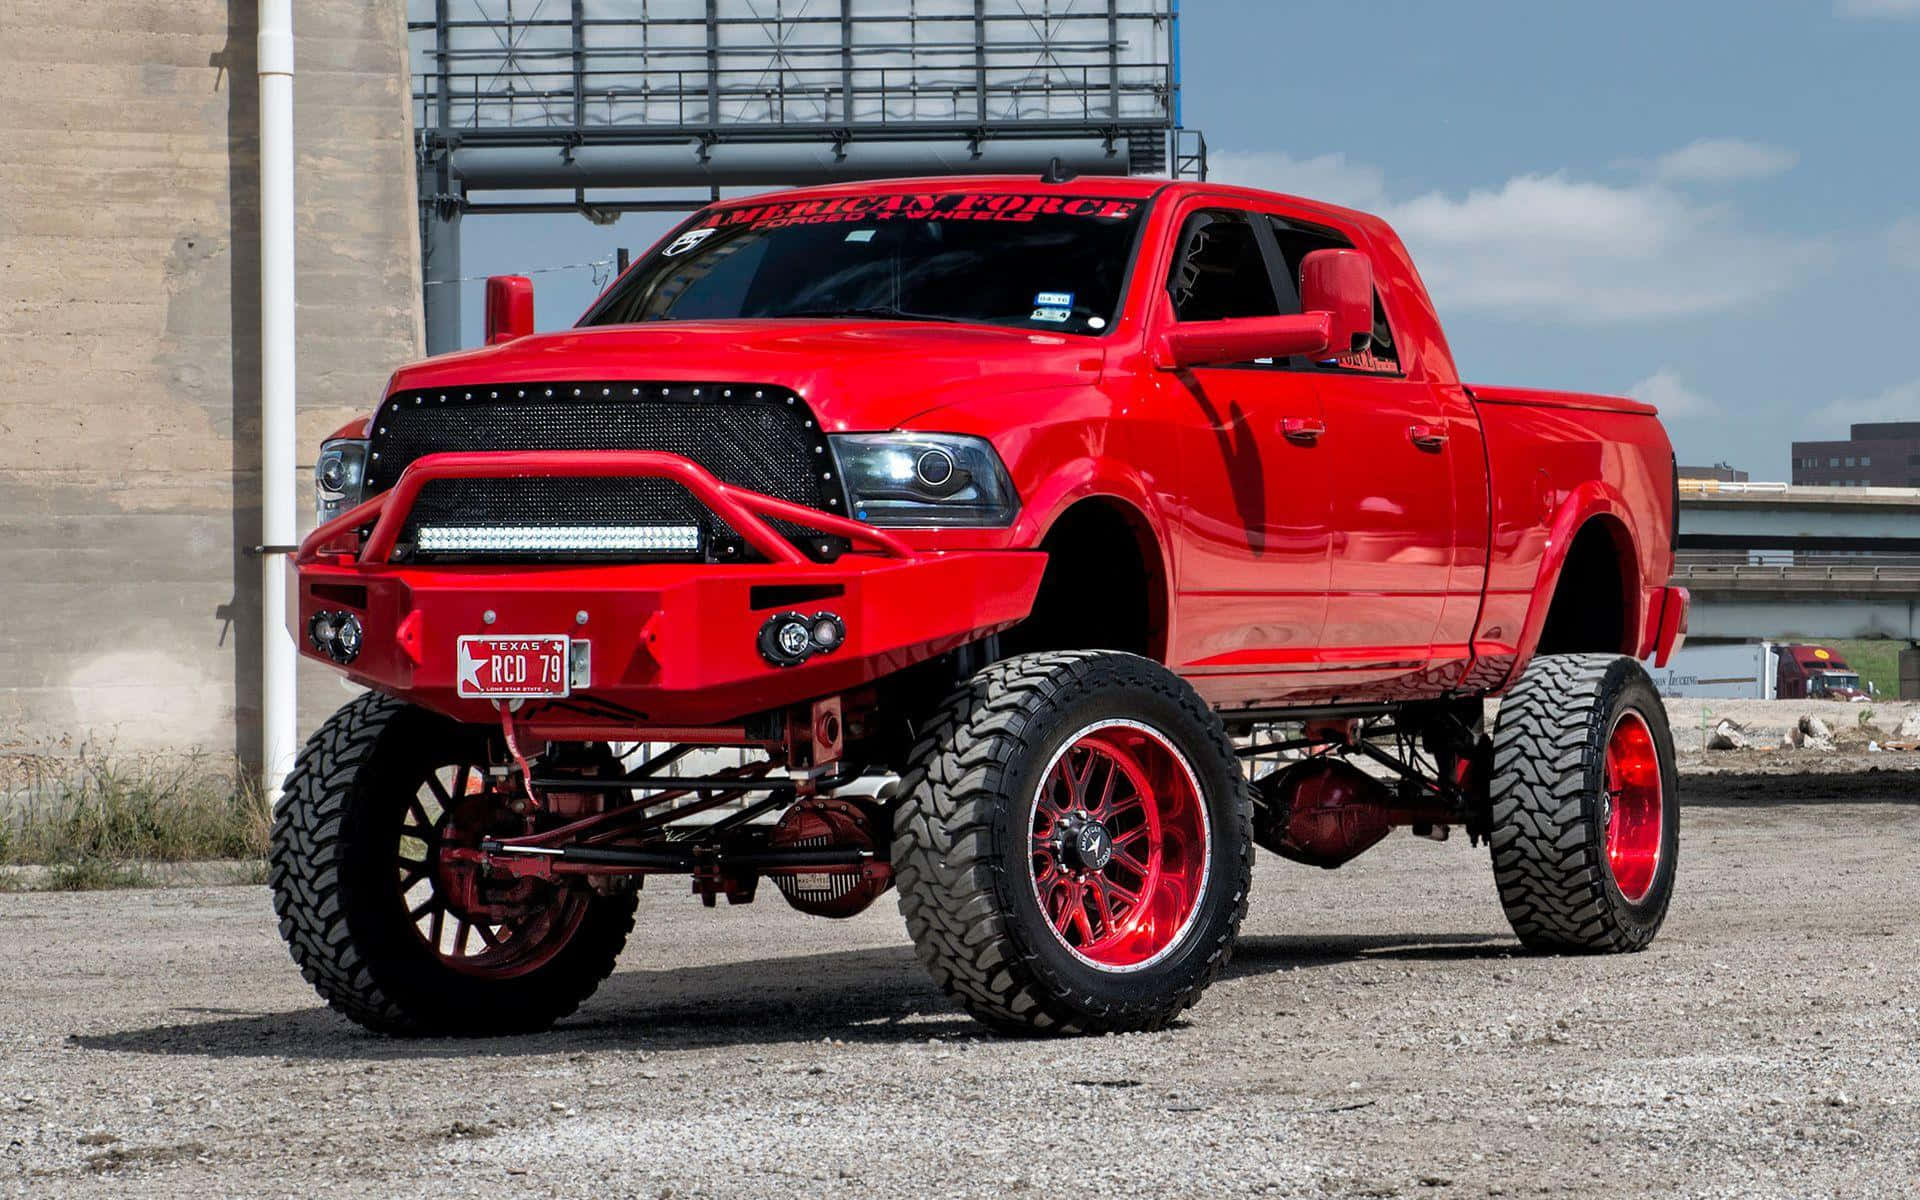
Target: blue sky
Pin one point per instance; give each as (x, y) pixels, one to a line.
(1710, 204)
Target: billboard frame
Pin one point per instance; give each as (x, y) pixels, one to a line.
(582, 108)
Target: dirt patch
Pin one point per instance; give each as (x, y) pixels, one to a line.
(1867, 758)
(1756, 785)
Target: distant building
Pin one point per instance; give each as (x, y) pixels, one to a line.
(1883, 454)
(1718, 472)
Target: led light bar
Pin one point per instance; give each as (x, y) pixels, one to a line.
(579, 539)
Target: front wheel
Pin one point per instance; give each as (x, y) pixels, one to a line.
(388, 927)
(1073, 849)
(1585, 805)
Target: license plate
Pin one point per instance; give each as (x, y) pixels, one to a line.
(514, 668)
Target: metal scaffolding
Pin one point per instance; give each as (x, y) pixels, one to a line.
(581, 98)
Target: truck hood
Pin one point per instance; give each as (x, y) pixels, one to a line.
(857, 375)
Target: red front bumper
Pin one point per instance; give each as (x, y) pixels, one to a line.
(676, 644)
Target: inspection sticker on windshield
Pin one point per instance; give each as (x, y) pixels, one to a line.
(1053, 300)
(861, 235)
(1052, 314)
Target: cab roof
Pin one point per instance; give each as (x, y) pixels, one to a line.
(1118, 187)
(1822, 657)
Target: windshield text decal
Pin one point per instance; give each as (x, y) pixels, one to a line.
(947, 206)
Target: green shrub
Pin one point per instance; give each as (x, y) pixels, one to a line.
(94, 817)
(94, 875)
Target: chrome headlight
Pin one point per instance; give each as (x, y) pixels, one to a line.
(925, 479)
(339, 477)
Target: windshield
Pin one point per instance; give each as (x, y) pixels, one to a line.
(1828, 681)
(1054, 263)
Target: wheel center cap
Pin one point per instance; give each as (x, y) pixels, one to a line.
(1091, 846)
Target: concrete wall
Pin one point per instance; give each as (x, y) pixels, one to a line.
(129, 364)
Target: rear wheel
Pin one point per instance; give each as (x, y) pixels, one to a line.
(392, 930)
(1585, 804)
(1073, 849)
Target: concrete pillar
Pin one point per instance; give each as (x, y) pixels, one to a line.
(130, 349)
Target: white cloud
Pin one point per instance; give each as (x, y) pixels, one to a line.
(1903, 242)
(1330, 177)
(1870, 9)
(1557, 247)
(1664, 390)
(1553, 247)
(1721, 160)
(1898, 403)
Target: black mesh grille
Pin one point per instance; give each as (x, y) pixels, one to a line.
(754, 436)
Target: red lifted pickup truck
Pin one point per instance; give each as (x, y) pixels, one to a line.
(1044, 545)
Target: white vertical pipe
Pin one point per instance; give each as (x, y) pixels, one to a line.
(278, 722)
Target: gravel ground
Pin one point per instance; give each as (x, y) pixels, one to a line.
(1378, 1035)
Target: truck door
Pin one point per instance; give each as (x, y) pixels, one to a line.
(1409, 518)
(1254, 545)
(1408, 532)
(1397, 446)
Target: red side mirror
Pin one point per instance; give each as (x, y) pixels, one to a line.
(1244, 339)
(1339, 282)
(509, 308)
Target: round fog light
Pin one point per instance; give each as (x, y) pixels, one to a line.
(793, 639)
(790, 638)
(828, 632)
(786, 640)
(336, 635)
(320, 631)
(346, 639)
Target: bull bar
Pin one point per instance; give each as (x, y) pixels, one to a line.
(672, 644)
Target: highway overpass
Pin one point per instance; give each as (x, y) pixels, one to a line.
(1767, 560)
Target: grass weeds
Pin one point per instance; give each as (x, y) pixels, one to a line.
(95, 819)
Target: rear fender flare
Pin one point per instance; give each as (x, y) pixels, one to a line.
(1591, 501)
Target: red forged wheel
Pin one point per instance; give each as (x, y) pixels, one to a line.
(1120, 845)
(1635, 809)
(394, 928)
(1073, 849)
(453, 807)
(1584, 805)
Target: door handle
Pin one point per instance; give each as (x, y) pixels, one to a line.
(1427, 437)
(1304, 430)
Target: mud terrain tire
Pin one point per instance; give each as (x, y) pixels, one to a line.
(332, 870)
(1585, 805)
(984, 788)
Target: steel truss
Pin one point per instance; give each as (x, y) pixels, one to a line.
(583, 97)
